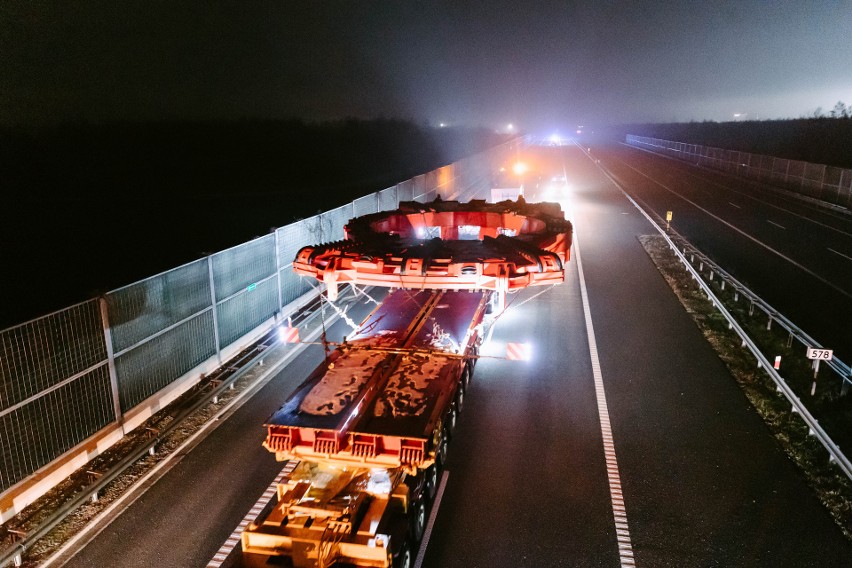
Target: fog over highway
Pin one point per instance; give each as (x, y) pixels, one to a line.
(692, 476)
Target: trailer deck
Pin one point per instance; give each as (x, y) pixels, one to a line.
(379, 397)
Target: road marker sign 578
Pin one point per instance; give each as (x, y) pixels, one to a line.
(821, 354)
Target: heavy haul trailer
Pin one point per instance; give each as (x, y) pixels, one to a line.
(369, 430)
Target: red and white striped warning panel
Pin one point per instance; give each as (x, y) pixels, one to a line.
(518, 351)
(289, 334)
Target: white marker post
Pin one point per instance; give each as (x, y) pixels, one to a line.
(817, 355)
(668, 220)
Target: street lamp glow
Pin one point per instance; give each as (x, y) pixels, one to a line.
(519, 168)
(510, 127)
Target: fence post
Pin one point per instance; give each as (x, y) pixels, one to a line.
(113, 376)
(213, 306)
(840, 188)
(278, 270)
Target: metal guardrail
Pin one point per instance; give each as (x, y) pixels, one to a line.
(835, 455)
(814, 429)
(842, 369)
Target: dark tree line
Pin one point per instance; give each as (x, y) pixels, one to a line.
(89, 208)
(840, 110)
(140, 161)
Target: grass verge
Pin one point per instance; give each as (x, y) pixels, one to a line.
(830, 484)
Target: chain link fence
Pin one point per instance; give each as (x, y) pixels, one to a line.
(69, 375)
(818, 181)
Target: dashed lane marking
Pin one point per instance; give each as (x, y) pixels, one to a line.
(735, 205)
(840, 253)
(734, 228)
(619, 511)
(776, 224)
(228, 547)
(421, 554)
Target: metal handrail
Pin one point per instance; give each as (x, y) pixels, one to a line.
(814, 428)
(836, 456)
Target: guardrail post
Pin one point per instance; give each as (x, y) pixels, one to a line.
(769, 324)
(215, 311)
(113, 376)
(737, 296)
(751, 309)
(790, 340)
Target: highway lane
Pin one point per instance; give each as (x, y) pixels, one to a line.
(183, 519)
(794, 254)
(527, 481)
(703, 481)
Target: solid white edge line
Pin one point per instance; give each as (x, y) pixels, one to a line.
(421, 554)
(236, 536)
(625, 547)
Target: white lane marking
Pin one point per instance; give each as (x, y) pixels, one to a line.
(749, 196)
(619, 512)
(776, 224)
(236, 537)
(840, 253)
(97, 525)
(735, 205)
(421, 554)
(738, 230)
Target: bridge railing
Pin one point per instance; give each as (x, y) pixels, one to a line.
(72, 383)
(818, 181)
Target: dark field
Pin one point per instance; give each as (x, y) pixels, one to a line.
(87, 208)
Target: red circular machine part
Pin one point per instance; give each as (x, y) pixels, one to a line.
(446, 245)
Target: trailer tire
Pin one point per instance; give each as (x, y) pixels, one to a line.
(431, 482)
(466, 375)
(441, 453)
(460, 397)
(450, 423)
(403, 558)
(418, 521)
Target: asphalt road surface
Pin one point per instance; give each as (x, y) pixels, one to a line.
(529, 479)
(703, 481)
(797, 255)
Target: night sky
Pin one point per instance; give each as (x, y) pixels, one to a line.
(537, 64)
